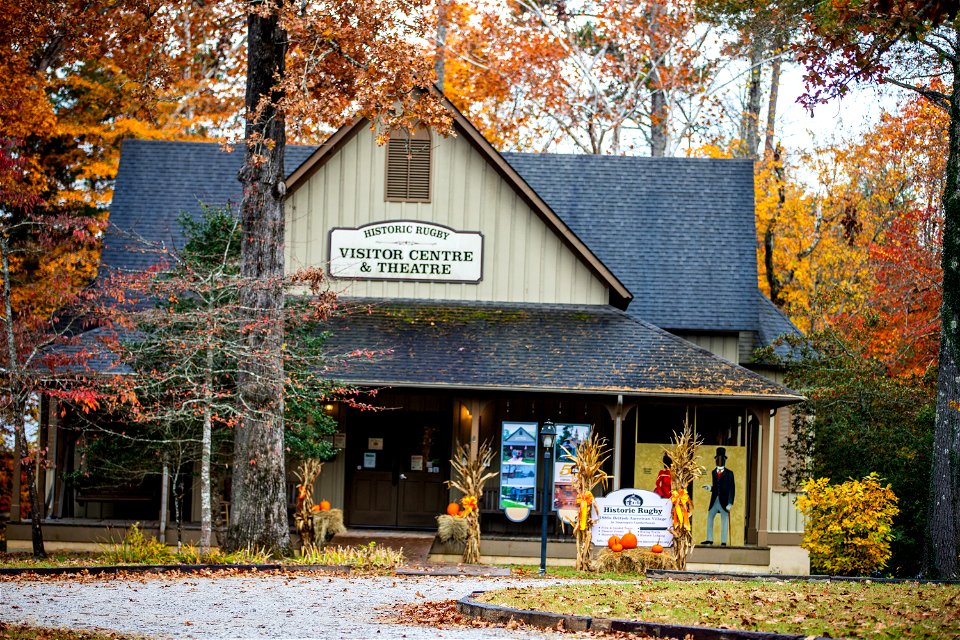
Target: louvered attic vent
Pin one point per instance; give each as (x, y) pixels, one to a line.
(408, 166)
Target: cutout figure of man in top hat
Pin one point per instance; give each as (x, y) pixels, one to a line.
(721, 498)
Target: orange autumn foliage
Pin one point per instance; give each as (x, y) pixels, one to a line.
(856, 245)
(604, 78)
(79, 77)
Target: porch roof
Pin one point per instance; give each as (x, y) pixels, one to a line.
(525, 347)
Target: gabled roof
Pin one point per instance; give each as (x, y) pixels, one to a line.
(525, 347)
(521, 435)
(679, 232)
(620, 294)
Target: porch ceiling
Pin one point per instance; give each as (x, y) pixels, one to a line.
(525, 347)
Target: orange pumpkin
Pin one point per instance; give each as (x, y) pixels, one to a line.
(616, 547)
(657, 548)
(324, 505)
(315, 507)
(453, 509)
(612, 541)
(629, 541)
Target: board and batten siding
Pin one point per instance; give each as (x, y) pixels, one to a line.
(725, 345)
(524, 260)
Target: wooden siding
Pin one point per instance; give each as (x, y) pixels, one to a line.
(724, 345)
(783, 516)
(524, 260)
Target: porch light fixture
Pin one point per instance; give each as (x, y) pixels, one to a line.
(548, 434)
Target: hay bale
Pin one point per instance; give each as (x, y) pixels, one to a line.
(326, 524)
(452, 529)
(633, 561)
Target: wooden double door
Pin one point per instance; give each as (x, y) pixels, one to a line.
(397, 468)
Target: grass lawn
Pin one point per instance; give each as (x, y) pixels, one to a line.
(532, 571)
(838, 609)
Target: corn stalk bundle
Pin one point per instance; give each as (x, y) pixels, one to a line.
(590, 456)
(307, 473)
(469, 476)
(685, 471)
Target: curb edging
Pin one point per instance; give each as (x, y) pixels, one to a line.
(672, 574)
(468, 606)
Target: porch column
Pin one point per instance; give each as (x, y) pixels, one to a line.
(53, 445)
(17, 471)
(617, 443)
(476, 408)
(765, 475)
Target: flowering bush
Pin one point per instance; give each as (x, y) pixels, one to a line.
(849, 525)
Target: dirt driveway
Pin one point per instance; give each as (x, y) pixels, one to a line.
(268, 606)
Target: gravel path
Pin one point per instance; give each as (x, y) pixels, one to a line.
(248, 607)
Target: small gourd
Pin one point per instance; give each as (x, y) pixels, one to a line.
(657, 548)
(324, 505)
(629, 541)
(453, 509)
(616, 547)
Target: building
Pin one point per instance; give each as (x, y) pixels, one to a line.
(612, 292)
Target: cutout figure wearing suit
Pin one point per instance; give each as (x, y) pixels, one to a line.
(721, 498)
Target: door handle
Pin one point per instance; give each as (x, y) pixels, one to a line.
(403, 476)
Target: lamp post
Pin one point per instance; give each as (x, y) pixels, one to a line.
(547, 435)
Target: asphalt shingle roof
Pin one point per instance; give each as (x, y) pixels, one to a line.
(775, 324)
(678, 232)
(159, 180)
(530, 347)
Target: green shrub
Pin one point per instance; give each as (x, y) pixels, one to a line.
(136, 548)
(849, 526)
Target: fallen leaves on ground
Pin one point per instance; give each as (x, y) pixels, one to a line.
(24, 632)
(824, 608)
(139, 575)
(443, 614)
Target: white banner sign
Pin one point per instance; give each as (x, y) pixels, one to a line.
(406, 250)
(644, 513)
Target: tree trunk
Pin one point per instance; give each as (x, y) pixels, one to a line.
(774, 281)
(750, 122)
(206, 521)
(258, 518)
(441, 55)
(943, 518)
(659, 109)
(164, 501)
(17, 406)
(768, 145)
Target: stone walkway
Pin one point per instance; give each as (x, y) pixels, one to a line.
(287, 607)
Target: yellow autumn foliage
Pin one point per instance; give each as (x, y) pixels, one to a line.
(849, 525)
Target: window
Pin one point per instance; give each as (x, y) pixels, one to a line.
(408, 166)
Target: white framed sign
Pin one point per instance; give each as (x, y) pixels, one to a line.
(518, 465)
(406, 250)
(569, 437)
(644, 513)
